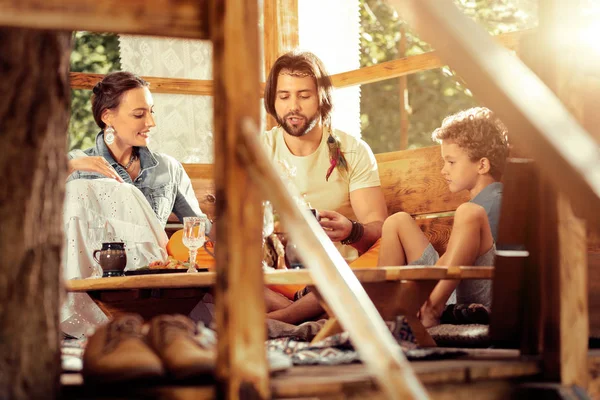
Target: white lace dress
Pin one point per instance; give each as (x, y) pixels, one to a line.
(104, 210)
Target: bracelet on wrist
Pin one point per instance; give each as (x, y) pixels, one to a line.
(356, 233)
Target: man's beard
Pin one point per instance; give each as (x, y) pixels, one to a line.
(301, 130)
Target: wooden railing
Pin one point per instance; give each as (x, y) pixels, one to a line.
(537, 120)
(332, 276)
(386, 70)
(567, 157)
(177, 18)
(566, 153)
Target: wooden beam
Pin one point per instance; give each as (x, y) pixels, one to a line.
(566, 324)
(34, 115)
(403, 95)
(516, 320)
(346, 298)
(242, 371)
(176, 18)
(563, 240)
(198, 87)
(536, 119)
(281, 29)
(281, 34)
(388, 70)
(408, 65)
(82, 80)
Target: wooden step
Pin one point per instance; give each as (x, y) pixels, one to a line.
(482, 371)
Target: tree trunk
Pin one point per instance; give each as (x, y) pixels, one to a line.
(34, 112)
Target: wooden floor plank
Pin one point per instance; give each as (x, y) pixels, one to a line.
(481, 365)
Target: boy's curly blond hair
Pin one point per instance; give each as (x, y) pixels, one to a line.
(480, 133)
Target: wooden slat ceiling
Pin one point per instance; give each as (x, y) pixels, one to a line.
(174, 18)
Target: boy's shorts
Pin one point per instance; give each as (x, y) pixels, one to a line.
(429, 257)
(469, 290)
(478, 290)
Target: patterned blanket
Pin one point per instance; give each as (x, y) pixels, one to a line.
(290, 344)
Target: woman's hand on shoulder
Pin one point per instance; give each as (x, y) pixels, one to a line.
(96, 164)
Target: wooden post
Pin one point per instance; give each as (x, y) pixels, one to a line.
(561, 244)
(239, 295)
(347, 299)
(34, 114)
(403, 93)
(280, 34)
(566, 323)
(540, 125)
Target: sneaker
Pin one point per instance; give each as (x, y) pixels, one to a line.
(118, 351)
(173, 338)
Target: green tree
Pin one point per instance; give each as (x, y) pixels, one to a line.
(433, 94)
(93, 53)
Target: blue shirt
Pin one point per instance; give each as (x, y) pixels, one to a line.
(162, 180)
(490, 198)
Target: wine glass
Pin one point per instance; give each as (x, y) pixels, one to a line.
(268, 225)
(193, 238)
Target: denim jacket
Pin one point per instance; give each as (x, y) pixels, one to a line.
(162, 180)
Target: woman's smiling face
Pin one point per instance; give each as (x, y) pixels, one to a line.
(133, 118)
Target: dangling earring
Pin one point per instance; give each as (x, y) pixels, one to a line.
(109, 135)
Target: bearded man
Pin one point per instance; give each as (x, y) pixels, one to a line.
(335, 172)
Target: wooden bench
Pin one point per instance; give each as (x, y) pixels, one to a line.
(411, 181)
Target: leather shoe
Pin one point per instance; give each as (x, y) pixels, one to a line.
(118, 351)
(173, 338)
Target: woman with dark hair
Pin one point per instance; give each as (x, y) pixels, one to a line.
(123, 109)
(119, 190)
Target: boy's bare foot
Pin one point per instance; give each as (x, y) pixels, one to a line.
(429, 315)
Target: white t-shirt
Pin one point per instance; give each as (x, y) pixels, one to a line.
(308, 174)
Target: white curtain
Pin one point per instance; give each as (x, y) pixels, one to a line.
(328, 28)
(184, 127)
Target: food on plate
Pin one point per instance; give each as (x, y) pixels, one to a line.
(171, 263)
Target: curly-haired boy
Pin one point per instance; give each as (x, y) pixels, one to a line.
(474, 148)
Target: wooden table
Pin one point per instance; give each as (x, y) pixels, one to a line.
(150, 295)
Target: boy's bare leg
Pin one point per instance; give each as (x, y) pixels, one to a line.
(402, 241)
(471, 237)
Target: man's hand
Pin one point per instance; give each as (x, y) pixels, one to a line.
(96, 164)
(335, 225)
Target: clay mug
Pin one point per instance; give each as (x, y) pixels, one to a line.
(112, 258)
